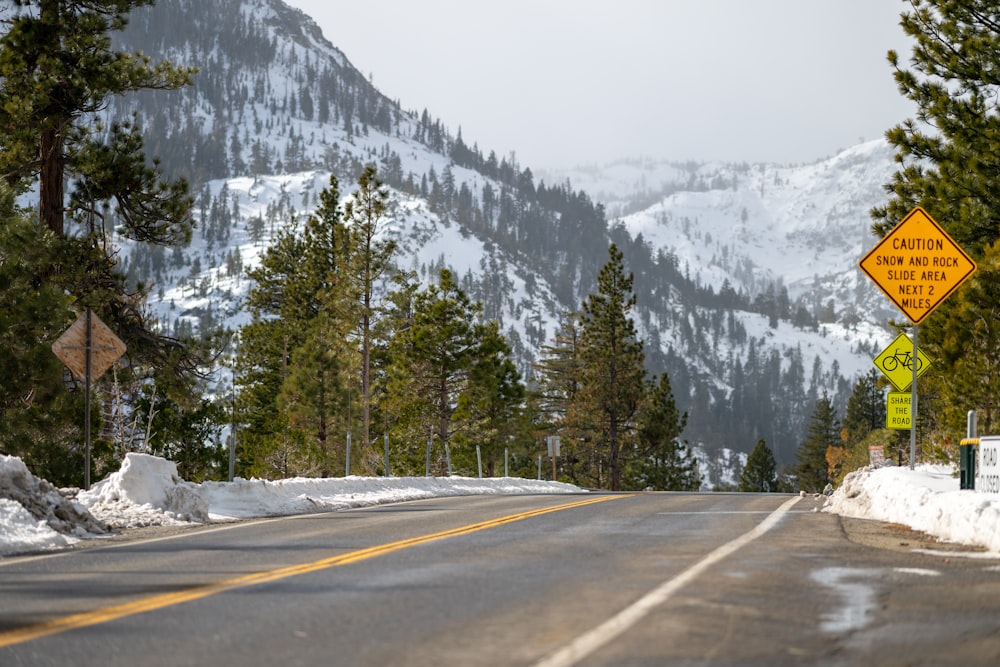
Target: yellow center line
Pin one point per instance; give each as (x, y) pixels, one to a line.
(155, 602)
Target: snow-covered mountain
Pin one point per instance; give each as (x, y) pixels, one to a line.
(764, 230)
(746, 277)
(753, 224)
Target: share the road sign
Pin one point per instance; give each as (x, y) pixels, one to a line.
(896, 362)
(917, 265)
(897, 411)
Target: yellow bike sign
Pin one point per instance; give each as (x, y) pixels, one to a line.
(896, 362)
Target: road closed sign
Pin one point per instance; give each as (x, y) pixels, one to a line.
(917, 265)
(988, 465)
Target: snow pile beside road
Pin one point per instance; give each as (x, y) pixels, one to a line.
(249, 498)
(35, 515)
(23, 532)
(147, 491)
(927, 499)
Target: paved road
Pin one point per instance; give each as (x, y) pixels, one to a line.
(543, 581)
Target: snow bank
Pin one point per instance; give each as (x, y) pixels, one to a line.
(927, 499)
(248, 498)
(35, 515)
(146, 490)
(23, 532)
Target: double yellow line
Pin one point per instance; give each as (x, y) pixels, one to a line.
(155, 602)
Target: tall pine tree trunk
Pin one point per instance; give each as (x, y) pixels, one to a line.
(50, 184)
(51, 140)
(614, 456)
(443, 410)
(366, 373)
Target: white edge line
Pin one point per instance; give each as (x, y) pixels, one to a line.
(981, 555)
(607, 631)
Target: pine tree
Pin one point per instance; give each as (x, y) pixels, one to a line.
(319, 394)
(865, 408)
(956, 43)
(295, 352)
(613, 377)
(492, 404)
(264, 360)
(431, 359)
(970, 346)
(661, 461)
(371, 253)
(322, 278)
(822, 432)
(760, 473)
(558, 373)
(314, 401)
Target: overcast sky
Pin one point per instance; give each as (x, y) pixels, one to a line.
(573, 82)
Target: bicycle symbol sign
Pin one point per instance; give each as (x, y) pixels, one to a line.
(896, 362)
(902, 358)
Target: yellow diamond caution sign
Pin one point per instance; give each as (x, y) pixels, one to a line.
(897, 410)
(917, 265)
(896, 362)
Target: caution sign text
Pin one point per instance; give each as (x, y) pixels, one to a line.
(917, 265)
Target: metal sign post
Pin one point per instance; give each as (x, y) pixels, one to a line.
(86, 401)
(385, 437)
(347, 465)
(427, 460)
(913, 403)
(553, 442)
(88, 348)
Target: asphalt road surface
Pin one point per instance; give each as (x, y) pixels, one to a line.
(541, 581)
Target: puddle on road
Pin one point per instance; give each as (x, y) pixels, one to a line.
(856, 589)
